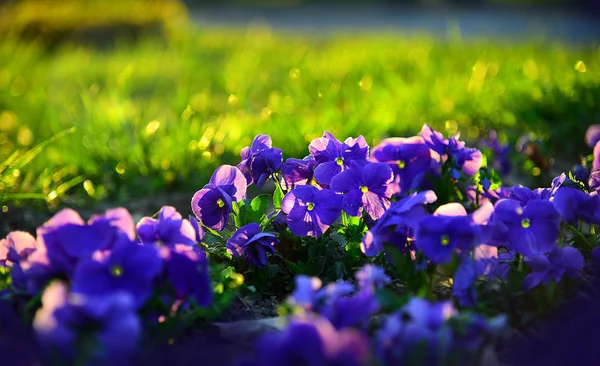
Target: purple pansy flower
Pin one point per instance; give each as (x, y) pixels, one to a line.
(250, 243)
(409, 159)
(109, 324)
(259, 143)
(169, 229)
(592, 135)
(67, 238)
(297, 172)
(594, 181)
(260, 160)
(418, 330)
(468, 160)
(434, 140)
(118, 217)
(393, 227)
(129, 267)
(596, 154)
(529, 230)
(581, 173)
(567, 261)
(212, 205)
(306, 291)
(187, 271)
(311, 211)
(312, 340)
(451, 230)
(485, 262)
(574, 205)
(17, 246)
(35, 272)
(462, 282)
(371, 276)
(365, 187)
(333, 156)
(198, 230)
(338, 301)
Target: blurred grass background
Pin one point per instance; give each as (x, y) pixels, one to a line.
(158, 102)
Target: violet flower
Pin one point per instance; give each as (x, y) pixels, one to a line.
(594, 181)
(260, 160)
(297, 172)
(529, 230)
(468, 160)
(186, 269)
(250, 243)
(312, 340)
(365, 187)
(89, 330)
(592, 135)
(333, 156)
(311, 211)
(67, 238)
(212, 205)
(418, 330)
(17, 246)
(395, 223)
(567, 261)
(169, 229)
(574, 205)
(450, 230)
(129, 267)
(409, 159)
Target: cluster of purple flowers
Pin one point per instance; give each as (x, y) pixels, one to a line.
(332, 324)
(337, 178)
(96, 276)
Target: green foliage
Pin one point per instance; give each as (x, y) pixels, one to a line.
(158, 115)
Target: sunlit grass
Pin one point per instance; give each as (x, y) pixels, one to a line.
(156, 114)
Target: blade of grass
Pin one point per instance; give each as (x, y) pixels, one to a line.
(29, 155)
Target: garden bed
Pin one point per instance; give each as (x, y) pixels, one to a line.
(411, 251)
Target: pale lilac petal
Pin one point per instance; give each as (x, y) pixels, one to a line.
(451, 209)
(120, 218)
(196, 199)
(261, 142)
(483, 214)
(375, 205)
(472, 166)
(231, 180)
(324, 149)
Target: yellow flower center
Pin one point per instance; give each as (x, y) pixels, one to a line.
(525, 223)
(445, 240)
(220, 203)
(116, 271)
(364, 189)
(310, 206)
(339, 161)
(401, 164)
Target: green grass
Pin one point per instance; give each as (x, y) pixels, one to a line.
(155, 115)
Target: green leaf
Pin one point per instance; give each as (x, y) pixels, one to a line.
(258, 208)
(272, 270)
(315, 265)
(239, 213)
(389, 300)
(296, 269)
(277, 197)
